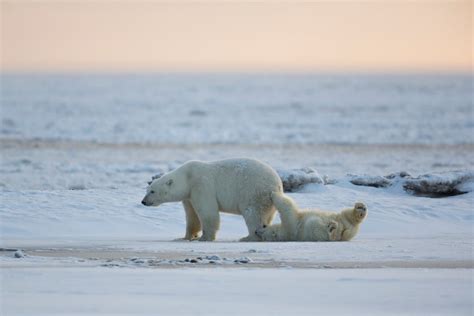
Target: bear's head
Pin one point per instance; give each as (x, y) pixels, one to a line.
(171, 187)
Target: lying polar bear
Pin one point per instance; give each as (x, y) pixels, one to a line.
(312, 225)
(238, 186)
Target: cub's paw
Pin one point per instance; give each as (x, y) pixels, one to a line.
(332, 230)
(360, 211)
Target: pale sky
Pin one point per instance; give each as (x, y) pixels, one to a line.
(350, 35)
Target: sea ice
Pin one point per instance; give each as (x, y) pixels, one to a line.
(429, 185)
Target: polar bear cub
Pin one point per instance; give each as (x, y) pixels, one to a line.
(238, 186)
(312, 225)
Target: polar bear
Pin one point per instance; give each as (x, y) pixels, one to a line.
(238, 186)
(312, 225)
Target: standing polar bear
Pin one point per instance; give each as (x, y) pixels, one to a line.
(238, 186)
(312, 225)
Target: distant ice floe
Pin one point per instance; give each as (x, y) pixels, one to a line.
(429, 185)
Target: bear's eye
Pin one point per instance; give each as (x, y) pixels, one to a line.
(152, 192)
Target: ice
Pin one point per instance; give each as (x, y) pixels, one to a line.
(243, 260)
(213, 257)
(429, 185)
(440, 185)
(295, 179)
(371, 181)
(19, 254)
(239, 108)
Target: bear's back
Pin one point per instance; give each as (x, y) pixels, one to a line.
(247, 171)
(240, 182)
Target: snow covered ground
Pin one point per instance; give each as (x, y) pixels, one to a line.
(126, 291)
(77, 151)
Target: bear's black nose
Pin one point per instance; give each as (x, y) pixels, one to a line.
(143, 202)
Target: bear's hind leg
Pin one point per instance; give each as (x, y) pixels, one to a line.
(193, 224)
(359, 212)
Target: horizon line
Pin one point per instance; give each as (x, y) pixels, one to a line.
(125, 71)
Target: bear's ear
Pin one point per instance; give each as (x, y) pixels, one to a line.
(169, 182)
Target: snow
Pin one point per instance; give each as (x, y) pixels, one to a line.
(294, 179)
(453, 183)
(118, 213)
(29, 291)
(19, 254)
(77, 152)
(431, 185)
(239, 108)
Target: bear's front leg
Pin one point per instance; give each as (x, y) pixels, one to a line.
(208, 213)
(210, 225)
(193, 224)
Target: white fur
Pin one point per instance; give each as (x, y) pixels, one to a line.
(238, 186)
(312, 225)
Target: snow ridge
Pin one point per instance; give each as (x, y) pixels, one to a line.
(434, 185)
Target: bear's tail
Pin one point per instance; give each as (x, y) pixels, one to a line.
(288, 213)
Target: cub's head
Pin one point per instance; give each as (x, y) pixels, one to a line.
(171, 187)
